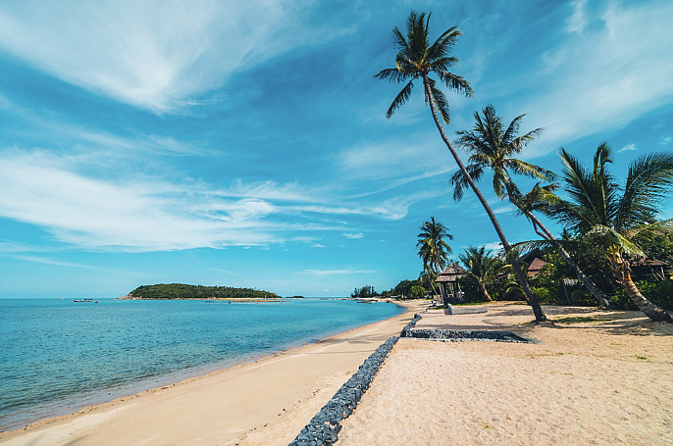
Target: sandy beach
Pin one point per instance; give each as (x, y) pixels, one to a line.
(607, 383)
(266, 402)
(604, 378)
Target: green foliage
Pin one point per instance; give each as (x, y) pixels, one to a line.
(416, 292)
(659, 293)
(546, 295)
(656, 243)
(184, 291)
(432, 248)
(575, 319)
(365, 292)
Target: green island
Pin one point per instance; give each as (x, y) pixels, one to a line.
(184, 291)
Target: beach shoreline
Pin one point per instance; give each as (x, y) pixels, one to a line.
(58, 429)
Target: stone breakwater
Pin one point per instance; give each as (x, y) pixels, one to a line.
(410, 325)
(324, 427)
(438, 334)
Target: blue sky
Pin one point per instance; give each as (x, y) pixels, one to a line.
(246, 144)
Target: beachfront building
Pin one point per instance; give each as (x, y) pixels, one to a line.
(449, 278)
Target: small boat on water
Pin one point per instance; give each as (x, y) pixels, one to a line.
(83, 300)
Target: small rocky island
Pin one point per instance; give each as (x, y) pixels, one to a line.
(200, 292)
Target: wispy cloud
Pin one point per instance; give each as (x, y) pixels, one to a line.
(354, 236)
(665, 140)
(155, 55)
(600, 77)
(628, 147)
(146, 213)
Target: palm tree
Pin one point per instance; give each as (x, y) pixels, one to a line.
(608, 216)
(432, 248)
(494, 147)
(482, 269)
(417, 59)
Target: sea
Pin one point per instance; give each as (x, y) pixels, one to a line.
(57, 355)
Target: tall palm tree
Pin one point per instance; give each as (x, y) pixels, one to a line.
(432, 248)
(417, 59)
(482, 269)
(608, 216)
(492, 146)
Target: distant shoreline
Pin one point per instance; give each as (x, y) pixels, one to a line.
(229, 299)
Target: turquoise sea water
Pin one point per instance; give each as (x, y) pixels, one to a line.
(58, 355)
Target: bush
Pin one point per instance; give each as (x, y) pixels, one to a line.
(583, 297)
(548, 295)
(659, 293)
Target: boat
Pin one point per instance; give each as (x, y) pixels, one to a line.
(82, 300)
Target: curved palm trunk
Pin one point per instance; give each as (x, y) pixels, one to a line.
(546, 234)
(485, 291)
(622, 272)
(521, 277)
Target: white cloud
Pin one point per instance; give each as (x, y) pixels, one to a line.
(80, 204)
(603, 77)
(494, 246)
(628, 147)
(665, 140)
(354, 236)
(158, 55)
(578, 21)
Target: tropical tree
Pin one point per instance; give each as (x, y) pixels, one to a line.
(417, 59)
(432, 248)
(608, 217)
(482, 269)
(492, 146)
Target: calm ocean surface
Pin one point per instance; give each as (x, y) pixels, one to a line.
(58, 355)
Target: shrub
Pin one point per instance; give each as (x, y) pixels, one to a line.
(659, 293)
(548, 295)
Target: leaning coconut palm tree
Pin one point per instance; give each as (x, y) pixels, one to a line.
(416, 60)
(608, 216)
(492, 146)
(432, 248)
(482, 269)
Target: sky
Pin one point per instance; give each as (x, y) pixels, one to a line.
(245, 143)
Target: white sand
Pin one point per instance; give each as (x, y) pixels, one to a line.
(266, 402)
(607, 383)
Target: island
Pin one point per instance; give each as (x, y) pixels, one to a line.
(170, 291)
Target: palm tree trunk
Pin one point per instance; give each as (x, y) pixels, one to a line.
(622, 273)
(485, 291)
(547, 235)
(530, 297)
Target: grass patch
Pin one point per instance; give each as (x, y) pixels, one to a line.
(441, 307)
(471, 304)
(575, 319)
(641, 357)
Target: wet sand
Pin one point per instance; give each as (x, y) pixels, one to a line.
(266, 402)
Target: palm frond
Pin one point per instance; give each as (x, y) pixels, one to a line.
(456, 83)
(393, 75)
(530, 170)
(460, 183)
(400, 99)
(648, 184)
(604, 237)
(440, 100)
(444, 43)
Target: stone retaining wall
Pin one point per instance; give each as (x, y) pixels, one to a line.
(438, 334)
(324, 427)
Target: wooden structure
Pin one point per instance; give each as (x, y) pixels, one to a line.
(449, 278)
